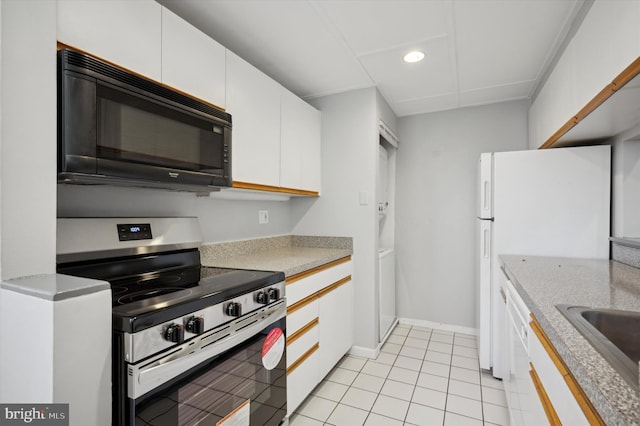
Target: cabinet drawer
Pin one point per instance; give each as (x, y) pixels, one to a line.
(301, 381)
(566, 396)
(300, 317)
(303, 343)
(306, 283)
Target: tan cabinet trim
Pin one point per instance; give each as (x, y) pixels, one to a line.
(302, 303)
(548, 346)
(302, 358)
(299, 333)
(330, 288)
(552, 416)
(585, 405)
(318, 294)
(312, 271)
(621, 79)
(60, 46)
(270, 188)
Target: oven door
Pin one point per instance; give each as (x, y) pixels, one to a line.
(242, 381)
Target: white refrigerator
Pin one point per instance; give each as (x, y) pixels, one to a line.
(552, 202)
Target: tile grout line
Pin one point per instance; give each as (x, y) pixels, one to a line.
(386, 378)
(446, 401)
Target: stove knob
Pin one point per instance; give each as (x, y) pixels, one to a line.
(274, 293)
(174, 333)
(233, 309)
(262, 297)
(195, 325)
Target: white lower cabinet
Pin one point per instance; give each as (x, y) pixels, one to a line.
(525, 408)
(300, 382)
(539, 387)
(302, 354)
(336, 327)
(561, 404)
(319, 326)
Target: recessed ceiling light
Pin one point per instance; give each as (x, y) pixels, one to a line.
(414, 56)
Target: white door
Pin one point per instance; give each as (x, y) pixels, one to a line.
(483, 276)
(387, 291)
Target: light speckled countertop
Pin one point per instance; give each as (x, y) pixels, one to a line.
(544, 282)
(289, 254)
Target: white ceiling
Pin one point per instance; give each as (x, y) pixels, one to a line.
(477, 51)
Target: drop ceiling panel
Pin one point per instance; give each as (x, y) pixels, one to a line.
(494, 49)
(488, 95)
(501, 42)
(398, 80)
(369, 26)
(424, 105)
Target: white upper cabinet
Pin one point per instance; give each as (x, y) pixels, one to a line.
(253, 100)
(124, 32)
(592, 55)
(299, 144)
(192, 62)
(276, 135)
(607, 41)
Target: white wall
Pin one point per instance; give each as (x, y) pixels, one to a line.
(625, 184)
(28, 161)
(220, 220)
(349, 165)
(28, 169)
(435, 196)
(386, 225)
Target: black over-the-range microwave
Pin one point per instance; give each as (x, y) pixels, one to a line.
(118, 128)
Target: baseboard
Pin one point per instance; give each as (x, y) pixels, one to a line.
(440, 326)
(386, 336)
(361, 351)
(373, 353)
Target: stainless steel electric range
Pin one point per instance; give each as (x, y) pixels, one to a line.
(191, 345)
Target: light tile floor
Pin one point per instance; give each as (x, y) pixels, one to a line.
(421, 377)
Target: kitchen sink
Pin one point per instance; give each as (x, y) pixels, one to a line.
(615, 334)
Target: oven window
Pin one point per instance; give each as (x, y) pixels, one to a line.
(134, 129)
(207, 396)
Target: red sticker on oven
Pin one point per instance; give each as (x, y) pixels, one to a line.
(273, 349)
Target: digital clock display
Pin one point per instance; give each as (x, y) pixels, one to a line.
(134, 231)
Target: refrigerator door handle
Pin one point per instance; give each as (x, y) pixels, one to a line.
(485, 195)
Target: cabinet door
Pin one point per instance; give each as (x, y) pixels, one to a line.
(192, 61)
(253, 100)
(299, 144)
(301, 381)
(124, 32)
(564, 403)
(336, 326)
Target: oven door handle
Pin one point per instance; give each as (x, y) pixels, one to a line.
(145, 378)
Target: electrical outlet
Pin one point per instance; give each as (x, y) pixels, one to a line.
(263, 216)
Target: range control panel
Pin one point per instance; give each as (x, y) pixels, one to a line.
(134, 231)
(144, 343)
